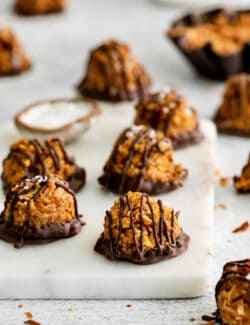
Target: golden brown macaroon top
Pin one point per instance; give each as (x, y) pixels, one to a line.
(28, 158)
(226, 35)
(113, 73)
(13, 59)
(232, 293)
(137, 224)
(242, 183)
(234, 113)
(39, 7)
(143, 151)
(168, 112)
(39, 202)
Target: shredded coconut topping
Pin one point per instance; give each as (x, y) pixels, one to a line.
(164, 92)
(152, 134)
(39, 179)
(134, 130)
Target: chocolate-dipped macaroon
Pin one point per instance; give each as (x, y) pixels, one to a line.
(242, 183)
(39, 7)
(233, 116)
(141, 230)
(172, 114)
(38, 210)
(215, 42)
(233, 294)
(13, 59)
(114, 74)
(142, 160)
(28, 158)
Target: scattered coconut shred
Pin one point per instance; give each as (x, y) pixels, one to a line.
(243, 227)
(217, 172)
(28, 314)
(222, 206)
(224, 181)
(30, 321)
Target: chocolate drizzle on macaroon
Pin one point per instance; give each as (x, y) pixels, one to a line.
(39, 210)
(28, 158)
(114, 74)
(168, 112)
(233, 116)
(141, 230)
(233, 293)
(142, 160)
(242, 182)
(13, 59)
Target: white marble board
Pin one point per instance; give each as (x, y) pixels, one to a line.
(70, 268)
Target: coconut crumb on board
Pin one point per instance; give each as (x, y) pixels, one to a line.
(224, 181)
(28, 314)
(243, 227)
(222, 206)
(217, 173)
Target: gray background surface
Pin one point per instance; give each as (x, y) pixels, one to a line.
(59, 46)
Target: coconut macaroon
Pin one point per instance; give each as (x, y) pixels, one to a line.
(13, 59)
(38, 210)
(232, 294)
(224, 31)
(28, 158)
(142, 160)
(233, 116)
(114, 74)
(39, 7)
(242, 183)
(168, 112)
(141, 230)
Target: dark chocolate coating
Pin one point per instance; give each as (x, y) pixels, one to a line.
(125, 95)
(120, 88)
(235, 107)
(110, 248)
(229, 130)
(236, 272)
(19, 235)
(205, 60)
(122, 183)
(76, 181)
(236, 269)
(235, 132)
(188, 139)
(43, 235)
(113, 182)
(156, 117)
(153, 256)
(240, 191)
